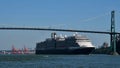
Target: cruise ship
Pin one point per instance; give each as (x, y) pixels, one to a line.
(75, 44)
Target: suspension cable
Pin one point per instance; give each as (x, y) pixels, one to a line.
(95, 17)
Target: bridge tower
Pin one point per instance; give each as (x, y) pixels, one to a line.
(113, 35)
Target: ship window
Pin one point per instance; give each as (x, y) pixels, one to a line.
(82, 40)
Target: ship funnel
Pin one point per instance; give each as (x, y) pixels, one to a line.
(53, 35)
(75, 34)
(65, 36)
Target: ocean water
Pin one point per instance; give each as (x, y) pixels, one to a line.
(59, 61)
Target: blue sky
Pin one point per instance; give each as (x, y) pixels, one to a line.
(67, 14)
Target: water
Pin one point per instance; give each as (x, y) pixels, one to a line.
(59, 61)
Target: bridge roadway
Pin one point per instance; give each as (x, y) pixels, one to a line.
(51, 29)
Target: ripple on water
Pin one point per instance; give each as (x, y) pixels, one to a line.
(59, 61)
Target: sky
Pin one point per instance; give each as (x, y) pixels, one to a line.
(66, 14)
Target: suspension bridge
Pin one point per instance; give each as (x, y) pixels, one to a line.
(112, 33)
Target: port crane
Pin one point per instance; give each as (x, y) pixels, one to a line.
(112, 33)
